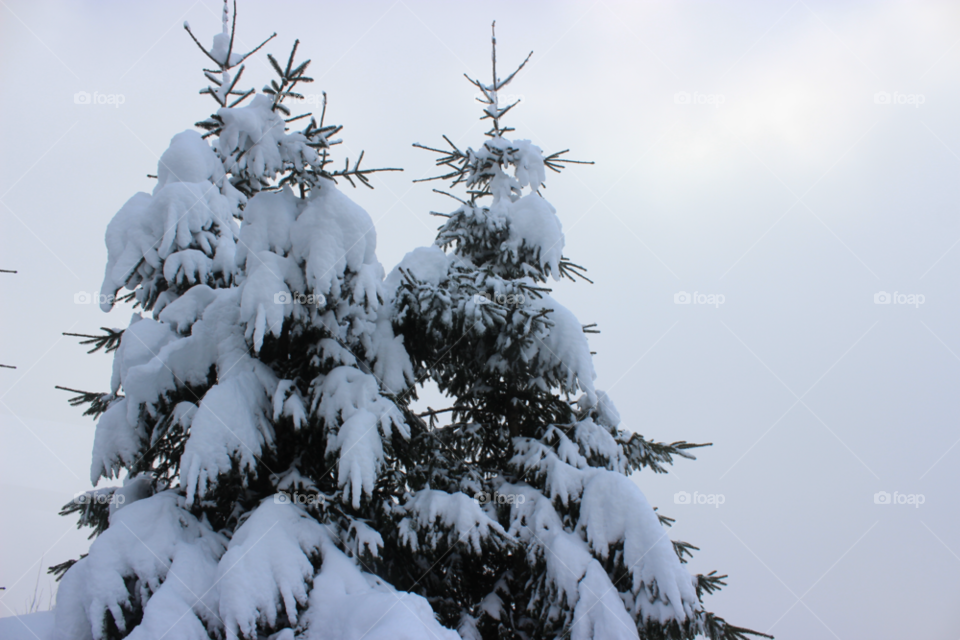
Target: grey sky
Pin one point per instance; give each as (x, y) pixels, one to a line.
(747, 150)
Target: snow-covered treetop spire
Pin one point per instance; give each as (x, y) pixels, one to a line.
(490, 92)
(518, 235)
(186, 231)
(257, 156)
(472, 167)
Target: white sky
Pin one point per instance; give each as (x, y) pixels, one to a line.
(783, 186)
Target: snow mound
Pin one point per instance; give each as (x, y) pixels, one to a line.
(31, 626)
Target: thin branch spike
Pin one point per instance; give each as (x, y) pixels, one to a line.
(255, 49)
(233, 29)
(208, 54)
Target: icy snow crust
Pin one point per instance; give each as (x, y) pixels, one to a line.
(219, 292)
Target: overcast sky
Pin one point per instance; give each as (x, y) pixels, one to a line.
(792, 160)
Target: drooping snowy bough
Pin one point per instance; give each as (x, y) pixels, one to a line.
(276, 481)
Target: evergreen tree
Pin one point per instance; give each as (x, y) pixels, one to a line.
(559, 541)
(277, 482)
(244, 413)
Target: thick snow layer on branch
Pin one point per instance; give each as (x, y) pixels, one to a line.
(460, 519)
(130, 237)
(116, 444)
(606, 411)
(141, 342)
(349, 604)
(267, 299)
(288, 402)
(331, 236)
(614, 514)
(151, 361)
(534, 225)
(613, 510)
(599, 445)
(178, 362)
(165, 554)
(528, 162)
(189, 158)
(426, 264)
(188, 266)
(182, 313)
(564, 349)
(535, 522)
(267, 568)
(133, 489)
(250, 137)
(391, 362)
(358, 419)
(254, 144)
(221, 43)
(267, 222)
(599, 613)
(232, 424)
(187, 211)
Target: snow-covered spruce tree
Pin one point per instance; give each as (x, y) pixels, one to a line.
(246, 413)
(521, 519)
